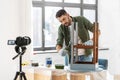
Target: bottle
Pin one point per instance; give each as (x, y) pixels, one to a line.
(48, 62)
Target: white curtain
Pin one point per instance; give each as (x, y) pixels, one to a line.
(26, 24)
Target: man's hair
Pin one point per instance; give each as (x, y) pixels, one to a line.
(60, 13)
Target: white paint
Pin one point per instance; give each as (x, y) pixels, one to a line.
(12, 18)
(109, 17)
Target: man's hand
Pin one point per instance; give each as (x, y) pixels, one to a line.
(63, 52)
(99, 33)
(58, 47)
(89, 42)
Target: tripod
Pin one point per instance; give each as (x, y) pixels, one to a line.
(20, 73)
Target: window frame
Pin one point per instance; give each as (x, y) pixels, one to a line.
(44, 3)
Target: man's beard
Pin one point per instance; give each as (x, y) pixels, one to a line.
(68, 23)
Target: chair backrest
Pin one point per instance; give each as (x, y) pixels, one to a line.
(94, 47)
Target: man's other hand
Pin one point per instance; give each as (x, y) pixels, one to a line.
(58, 47)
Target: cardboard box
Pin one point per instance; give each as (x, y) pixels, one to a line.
(77, 76)
(117, 77)
(100, 75)
(59, 75)
(42, 74)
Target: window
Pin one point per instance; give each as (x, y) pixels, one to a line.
(89, 14)
(53, 0)
(45, 25)
(89, 1)
(37, 26)
(51, 26)
(72, 1)
(73, 11)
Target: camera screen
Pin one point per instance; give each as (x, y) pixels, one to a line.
(11, 42)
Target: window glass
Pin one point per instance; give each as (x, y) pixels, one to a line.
(37, 26)
(51, 26)
(73, 11)
(72, 1)
(54, 0)
(90, 14)
(89, 1)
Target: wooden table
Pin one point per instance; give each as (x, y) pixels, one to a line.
(42, 73)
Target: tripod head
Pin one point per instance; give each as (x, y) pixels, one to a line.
(20, 50)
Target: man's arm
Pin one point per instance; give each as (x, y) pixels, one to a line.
(90, 26)
(59, 39)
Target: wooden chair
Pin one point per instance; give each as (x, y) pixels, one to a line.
(76, 65)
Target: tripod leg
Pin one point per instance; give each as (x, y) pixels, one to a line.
(23, 74)
(17, 73)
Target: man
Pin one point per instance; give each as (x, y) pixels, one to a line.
(84, 25)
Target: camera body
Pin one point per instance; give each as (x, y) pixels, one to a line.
(20, 41)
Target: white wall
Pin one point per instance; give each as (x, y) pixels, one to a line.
(109, 17)
(13, 22)
(9, 24)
